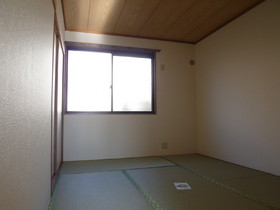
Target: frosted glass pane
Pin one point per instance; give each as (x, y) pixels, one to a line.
(89, 81)
(132, 87)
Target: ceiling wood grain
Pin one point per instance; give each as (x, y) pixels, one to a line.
(166, 14)
(76, 14)
(134, 16)
(220, 19)
(104, 15)
(200, 11)
(186, 21)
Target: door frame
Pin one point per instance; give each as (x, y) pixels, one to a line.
(56, 99)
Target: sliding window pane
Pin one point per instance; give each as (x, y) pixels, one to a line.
(132, 84)
(89, 81)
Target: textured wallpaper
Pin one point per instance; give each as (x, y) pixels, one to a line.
(26, 30)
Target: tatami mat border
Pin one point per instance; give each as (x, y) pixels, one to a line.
(148, 198)
(225, 186)
(88, 172)
(151, 201)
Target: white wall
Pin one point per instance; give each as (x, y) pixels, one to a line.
(103, 136)
(25, 89)
(238, 90)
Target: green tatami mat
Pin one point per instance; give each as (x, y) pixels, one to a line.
(74, 167)
(97, 191)
(213, 168)
(203, 195)
(265, 187)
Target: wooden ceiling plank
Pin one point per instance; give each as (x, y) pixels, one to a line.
(134, 16)
(76, 14)
(164, 17)
(186, 21)
(233, 10)
(104, 15)
(200, 11)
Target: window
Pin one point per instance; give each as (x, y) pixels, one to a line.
(110, 81)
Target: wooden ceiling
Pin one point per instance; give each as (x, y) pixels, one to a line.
(186, 21)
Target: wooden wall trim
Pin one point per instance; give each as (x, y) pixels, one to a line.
(110, 47)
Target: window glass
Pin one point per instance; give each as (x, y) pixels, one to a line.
(132, 84)
(109, 82)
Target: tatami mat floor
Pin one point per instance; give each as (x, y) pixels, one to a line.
(148, 183)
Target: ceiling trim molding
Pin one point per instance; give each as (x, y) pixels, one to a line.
(110, 47)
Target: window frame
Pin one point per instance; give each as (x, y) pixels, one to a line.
(119, 51)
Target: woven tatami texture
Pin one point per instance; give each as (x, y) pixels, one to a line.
(148, 183)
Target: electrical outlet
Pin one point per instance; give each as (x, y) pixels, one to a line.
(164, 145)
